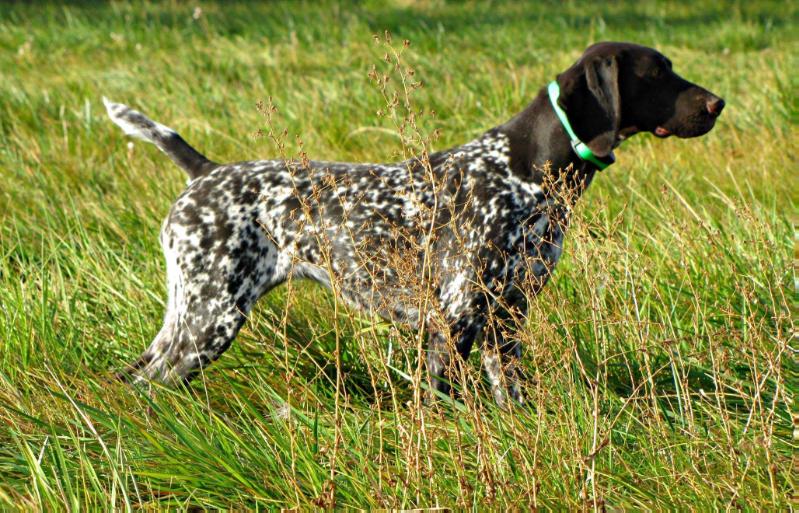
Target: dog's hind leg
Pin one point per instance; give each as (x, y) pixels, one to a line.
(210, 295)
(196, 331)
(138, 369)
(202, 333)
(147, 365)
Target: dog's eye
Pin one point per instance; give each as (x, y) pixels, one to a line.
(655, 72)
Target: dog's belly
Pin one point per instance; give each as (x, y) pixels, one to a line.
(435, 272)
(386, 299)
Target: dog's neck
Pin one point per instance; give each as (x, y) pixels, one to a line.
(541, 151)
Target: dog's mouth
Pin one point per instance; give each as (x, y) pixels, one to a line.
(661, 132)
(694, 126)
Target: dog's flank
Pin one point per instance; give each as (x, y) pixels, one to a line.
(136, 124)
(499, 206)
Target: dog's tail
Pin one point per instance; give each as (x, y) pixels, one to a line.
(138, 125)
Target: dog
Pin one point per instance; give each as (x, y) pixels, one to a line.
(480, 226)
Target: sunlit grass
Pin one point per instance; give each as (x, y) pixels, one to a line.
(659, 368)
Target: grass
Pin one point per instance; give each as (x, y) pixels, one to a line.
(663, 372)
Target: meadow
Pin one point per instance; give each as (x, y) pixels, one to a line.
(661, 357)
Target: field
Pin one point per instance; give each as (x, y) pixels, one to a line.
(660, 368)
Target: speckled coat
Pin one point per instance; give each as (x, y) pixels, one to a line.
(245, 228)
(457, 242)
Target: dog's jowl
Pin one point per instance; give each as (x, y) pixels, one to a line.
(480, 226)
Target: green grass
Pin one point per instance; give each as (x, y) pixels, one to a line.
(661, 369)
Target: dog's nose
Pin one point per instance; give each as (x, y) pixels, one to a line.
(714, 106)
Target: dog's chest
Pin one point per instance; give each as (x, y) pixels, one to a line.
(517, 236)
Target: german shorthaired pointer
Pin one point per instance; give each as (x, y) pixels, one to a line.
(481, 225)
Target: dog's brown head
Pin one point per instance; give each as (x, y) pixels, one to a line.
(616, 90)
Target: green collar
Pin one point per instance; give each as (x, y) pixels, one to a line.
(580, 148)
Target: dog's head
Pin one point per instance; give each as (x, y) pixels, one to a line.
(616, 90)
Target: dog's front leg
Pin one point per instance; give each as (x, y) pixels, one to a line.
(447, 354)
(501, 361)
(501, 354)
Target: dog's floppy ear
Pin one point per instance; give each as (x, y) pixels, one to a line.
(590, 97)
